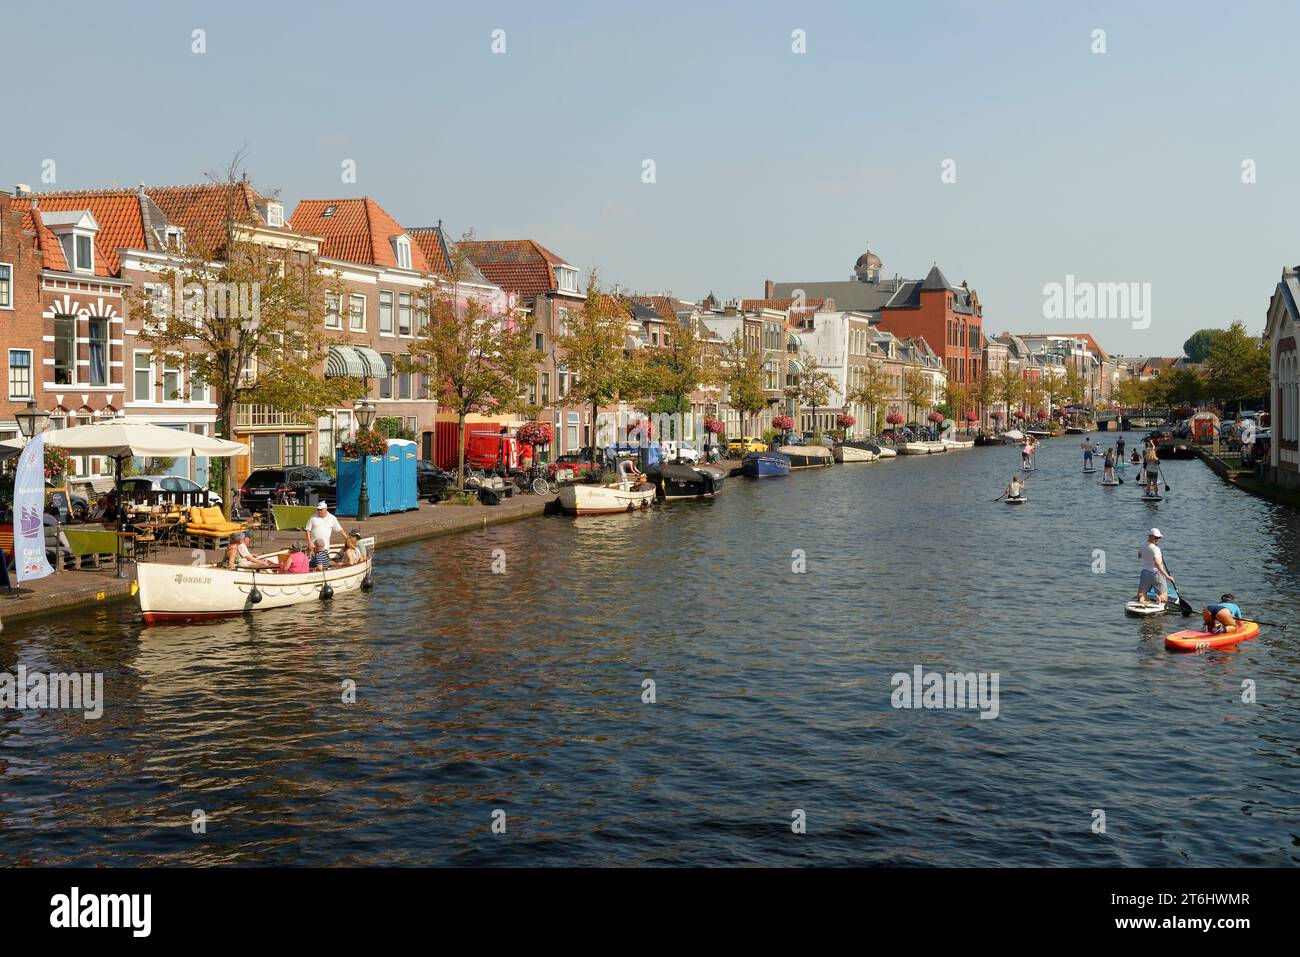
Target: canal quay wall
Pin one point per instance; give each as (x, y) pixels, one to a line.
(79, 590)
(1248, 481)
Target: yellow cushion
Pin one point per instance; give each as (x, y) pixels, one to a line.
(196, 515)
(212, 516)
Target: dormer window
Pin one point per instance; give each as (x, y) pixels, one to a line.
(274, 214)
(566, 278)
(85, 253)
(402, 250)
(75, 230)
(171, 237)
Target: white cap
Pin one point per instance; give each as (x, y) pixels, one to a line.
(322, 505)
(1155, 533)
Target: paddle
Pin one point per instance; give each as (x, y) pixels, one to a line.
(1161, 473)
(1256, 621)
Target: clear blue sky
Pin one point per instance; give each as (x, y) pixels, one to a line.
(1119, 167)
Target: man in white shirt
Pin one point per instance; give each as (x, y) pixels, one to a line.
(321, 527)
(1154, 573)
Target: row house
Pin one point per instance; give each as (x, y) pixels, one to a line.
(764, 330)
(376, 308)
(86, 360)
(548, 287)
(949, 319)
(1282, 333)
(898, 359)
(841, 343)
(667, 316)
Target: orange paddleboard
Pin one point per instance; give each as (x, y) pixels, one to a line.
(1206, 641)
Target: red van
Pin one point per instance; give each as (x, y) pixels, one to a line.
(492, 450)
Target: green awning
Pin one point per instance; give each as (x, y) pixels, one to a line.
(796, 367)
(373, 360)
(345, 361)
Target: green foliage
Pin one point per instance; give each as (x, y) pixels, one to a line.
(1197, 347)
(393, 427)
(1237, 366)
(328, 464)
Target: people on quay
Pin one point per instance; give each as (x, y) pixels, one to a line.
(1016, 488)
(320, 556)
(238, 555)
(1151, 462)
(1108, 466)
(322, 525)
(294, 561)
(1222, 616)
(1154, 574)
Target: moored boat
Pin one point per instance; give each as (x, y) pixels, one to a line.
(765, 464)
(807, 456)
(846, 452)
(921, 448)
(194, 592)
(684, 481)
(628, 494)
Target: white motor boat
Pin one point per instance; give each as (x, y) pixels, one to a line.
(628, 494)
(194, 592)
(848, 452)
(922, 448)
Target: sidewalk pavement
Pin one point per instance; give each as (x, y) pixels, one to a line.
(81, 587)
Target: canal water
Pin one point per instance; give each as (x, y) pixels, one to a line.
(771, 623)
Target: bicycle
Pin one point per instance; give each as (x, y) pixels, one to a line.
(536, 480)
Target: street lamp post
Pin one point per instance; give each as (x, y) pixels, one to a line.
(32, 421)
(364, 411)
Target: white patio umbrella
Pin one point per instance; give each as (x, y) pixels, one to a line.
(124, 440)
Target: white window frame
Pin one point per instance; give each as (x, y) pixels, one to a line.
(9, 286)
(391, 312)
(402, 252)
(136, 370)
(31, 374)
(54, 351)
(353, 299)
(77, 236)
(333, 310)
(173, 362)
(274, 214)
(409, 309)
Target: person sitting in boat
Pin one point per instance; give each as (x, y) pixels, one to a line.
(238, 555)
(351, 554)
(1108, 466)
(1154, 573)
(295, 561)
(1223, 616)
(320, 556)
(1016, 488)
(355, 535)
(1151, 462)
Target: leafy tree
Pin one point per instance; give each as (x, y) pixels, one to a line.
(1183, 387)
(1197, 347)
(870, 393)
(1237, 366)
(741, 373)
(249, 321)
(917, 392)
(476, 355)
(600, 370)
(983, 393)
(685, 365)
(1010, 388)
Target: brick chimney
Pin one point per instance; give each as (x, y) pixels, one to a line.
(769, 289)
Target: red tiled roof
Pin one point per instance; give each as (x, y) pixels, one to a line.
(201, 210)
(51, 249)
(521, 266)
(666, 306)
(430, 239)
(121, 225)
(358, 231)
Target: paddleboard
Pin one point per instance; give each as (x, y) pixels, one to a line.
(1206, 641)
(1104, 482)
(1152, 498)
(1018, 500)
(1087, 471)
(1150, 608)
(1029, 468)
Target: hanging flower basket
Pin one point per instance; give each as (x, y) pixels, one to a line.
(1020, 414)
(783, 423)
(534, 433)
(894, 418)
(57, 464)
(996, 415)
(712, 425)
(1042, 414)
(365, 442)
(934, 417)
(970, 417)
(845, 421)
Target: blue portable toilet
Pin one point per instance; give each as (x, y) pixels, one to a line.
(396, 468)
(410, 483)
(348, 483)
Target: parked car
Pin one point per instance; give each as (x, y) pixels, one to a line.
(431, 482)
(671, 451)
(307, 483)
(745, 444)
(166, 483)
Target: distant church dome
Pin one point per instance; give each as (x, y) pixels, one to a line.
(867, 267)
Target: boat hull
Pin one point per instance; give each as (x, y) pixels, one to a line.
(845, 454)
(807, 456)
(765, 465)
(604, 499)
(191, 593)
